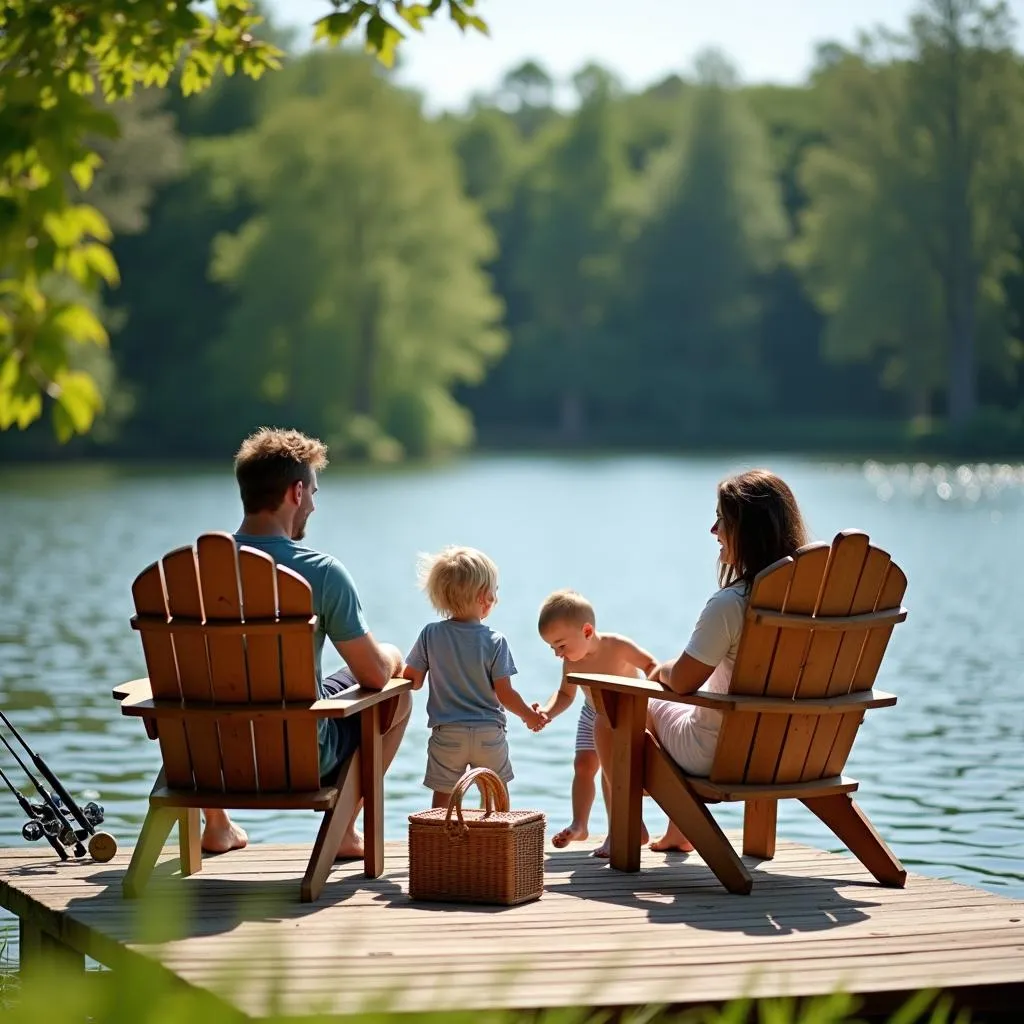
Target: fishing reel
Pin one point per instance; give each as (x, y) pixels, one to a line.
(46, 821)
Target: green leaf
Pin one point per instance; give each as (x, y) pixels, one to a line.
(63, 424)
(82, 170)
(338, 26)
(81, 324)
(381, 39)
(100, 260)
(20, 399)
(79, 398)
(9, 373)
(93, 222)
(413, 15)
(63, 227)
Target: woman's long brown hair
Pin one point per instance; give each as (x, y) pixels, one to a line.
(762, 523)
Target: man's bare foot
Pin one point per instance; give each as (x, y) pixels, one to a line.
(570, 834)
(673, 839)
(221, 834)
(351, 846)
(605, 849)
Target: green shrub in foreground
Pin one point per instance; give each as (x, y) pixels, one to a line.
(139, 993)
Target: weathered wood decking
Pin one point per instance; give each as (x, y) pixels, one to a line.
(815, 922)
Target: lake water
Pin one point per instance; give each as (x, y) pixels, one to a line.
(941, 773)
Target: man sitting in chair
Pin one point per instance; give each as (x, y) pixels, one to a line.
(277, 477)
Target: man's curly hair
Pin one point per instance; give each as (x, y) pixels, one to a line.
(272, 460)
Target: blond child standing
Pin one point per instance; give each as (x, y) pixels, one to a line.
(469, 668)
(567, 624)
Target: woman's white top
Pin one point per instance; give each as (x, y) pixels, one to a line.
(688, 733)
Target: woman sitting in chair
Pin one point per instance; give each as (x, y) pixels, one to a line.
(757, 522)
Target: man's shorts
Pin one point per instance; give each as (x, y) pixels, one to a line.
(585, 729)
(346, 730)
(454, 748)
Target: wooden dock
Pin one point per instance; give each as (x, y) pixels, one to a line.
(815, 922)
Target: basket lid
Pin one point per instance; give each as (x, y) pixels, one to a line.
(478, 818)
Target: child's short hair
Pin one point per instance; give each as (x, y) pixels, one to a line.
(565, 606)
(455, 577)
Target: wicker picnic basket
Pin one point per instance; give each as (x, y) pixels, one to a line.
(487, 855)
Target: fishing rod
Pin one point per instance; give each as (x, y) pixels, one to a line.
(102, 845)
(35, 828)
(49, 810)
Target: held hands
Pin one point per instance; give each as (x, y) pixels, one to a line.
(535, 719)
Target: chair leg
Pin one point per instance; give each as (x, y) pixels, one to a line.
(759, 819)
(190, 848)
(851, 825)
(628, 718)
(372, 779)
(332, 828)
(668, 786)
(155, 830)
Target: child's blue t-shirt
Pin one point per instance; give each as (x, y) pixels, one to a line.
(335, 602)
(462, 661)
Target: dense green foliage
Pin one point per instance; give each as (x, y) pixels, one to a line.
(700, 263)
(55, 60)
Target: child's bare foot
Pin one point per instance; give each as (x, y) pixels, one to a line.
(605, 849)
(351, 846)
(571, 834)
(673, 839)
(221, 834)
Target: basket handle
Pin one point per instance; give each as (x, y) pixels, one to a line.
(494, 791)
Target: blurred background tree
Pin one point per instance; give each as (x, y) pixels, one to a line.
(54, 59)
(832, 265)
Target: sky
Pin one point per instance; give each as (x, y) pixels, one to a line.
(642, 41)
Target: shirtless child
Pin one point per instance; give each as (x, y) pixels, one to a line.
(566, 624)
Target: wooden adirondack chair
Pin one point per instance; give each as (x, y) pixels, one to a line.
(231, 697)
(816, 627)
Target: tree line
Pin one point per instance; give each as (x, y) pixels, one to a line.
(700, 263)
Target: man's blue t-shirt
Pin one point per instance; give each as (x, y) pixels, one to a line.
(462, 661)
(335, 603)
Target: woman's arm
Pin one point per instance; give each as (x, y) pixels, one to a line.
(684, 675)
(717, 630)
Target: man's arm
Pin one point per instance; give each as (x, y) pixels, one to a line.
(372, 663)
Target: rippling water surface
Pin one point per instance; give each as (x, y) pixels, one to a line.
(941, 773)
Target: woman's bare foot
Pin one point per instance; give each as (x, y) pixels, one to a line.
(221, 834)
(673, 839)
(605, 849)
(351, 846)
(570, 834)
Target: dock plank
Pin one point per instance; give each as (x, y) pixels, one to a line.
(814, 922)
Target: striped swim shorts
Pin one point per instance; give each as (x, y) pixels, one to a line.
(585, 728)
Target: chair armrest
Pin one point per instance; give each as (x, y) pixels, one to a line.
(839, 705)
(133, 688)
(358, 698)
(142, 705)
(634, 686)
(737, 701)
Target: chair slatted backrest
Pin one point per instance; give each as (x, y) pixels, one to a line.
(192, 608)
(798, 661)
